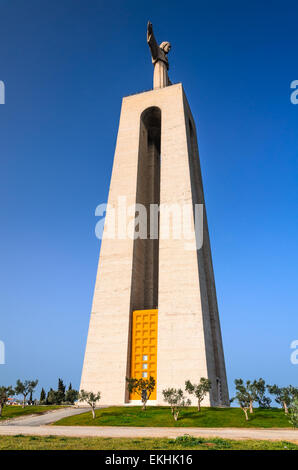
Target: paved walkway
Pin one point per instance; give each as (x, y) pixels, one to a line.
(134, 432)
(46, 418)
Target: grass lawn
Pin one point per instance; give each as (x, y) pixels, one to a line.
(14, 411)
(190, 417)
(21, 442)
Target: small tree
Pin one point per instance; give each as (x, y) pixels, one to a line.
(90, 398)
(24, 388)
(5, 393)
(51, 397)
(293, 418)
(42, 398)
(142, 387)
(71, 395)
(244, 400)
(248, 390)
(175, 398)
(60, 392)
(199, 390)
(259, 387)
(283, 396)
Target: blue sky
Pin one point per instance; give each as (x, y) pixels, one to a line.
(66, 65)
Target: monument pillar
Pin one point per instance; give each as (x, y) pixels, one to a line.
(167, 288)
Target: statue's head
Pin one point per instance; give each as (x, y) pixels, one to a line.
(165, 46)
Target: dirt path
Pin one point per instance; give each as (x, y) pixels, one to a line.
(134, 432)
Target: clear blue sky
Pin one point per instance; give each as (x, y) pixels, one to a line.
(66, 65)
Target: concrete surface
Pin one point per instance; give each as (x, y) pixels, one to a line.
(46, 418)
(134, 432)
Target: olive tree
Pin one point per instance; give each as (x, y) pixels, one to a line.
(90, 398)
(247, 390)
(284, 396)
(259, 387)
(293, 417)
(175, 398)
(244, 400)
(198, 390)
(25, 388)
(142, 387)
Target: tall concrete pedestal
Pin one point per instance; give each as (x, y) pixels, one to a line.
(156, 162)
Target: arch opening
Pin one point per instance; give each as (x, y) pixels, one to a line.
(145, 252)
(142, 345)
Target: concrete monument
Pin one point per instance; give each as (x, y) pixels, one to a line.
(154, 310)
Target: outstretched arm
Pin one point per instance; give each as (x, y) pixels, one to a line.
(152, 41)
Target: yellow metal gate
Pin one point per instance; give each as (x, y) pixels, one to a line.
(144, 347)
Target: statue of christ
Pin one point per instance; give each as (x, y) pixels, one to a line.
(159, 59)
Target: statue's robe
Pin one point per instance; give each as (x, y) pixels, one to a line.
(160, 62)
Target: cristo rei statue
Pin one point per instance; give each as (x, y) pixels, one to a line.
(159, 59)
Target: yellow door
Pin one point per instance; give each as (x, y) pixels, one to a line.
(144, 347)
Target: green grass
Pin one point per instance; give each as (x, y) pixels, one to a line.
(21, 442)
(190, 417)
(14, 411)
